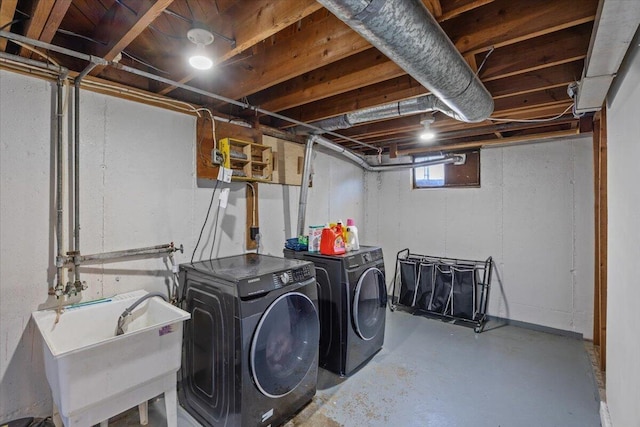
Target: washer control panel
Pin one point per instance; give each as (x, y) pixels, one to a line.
(295, 275)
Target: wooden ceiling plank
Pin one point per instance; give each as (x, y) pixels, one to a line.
(461, 7)
(505, 22)
(490, 142)
(326, 41)
(251, 28)
(567, 45)
(562, 74)
(528, 100)
(7, 12)
(471, 60)
(263, 20)
(524, 57)
(55, 19)
(434, 7)
(365, 68)
(410, 125)
(120, 26)
(381, 93)
(39, 14)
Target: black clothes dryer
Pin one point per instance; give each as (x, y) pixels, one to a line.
(250, 350)
(353, 296)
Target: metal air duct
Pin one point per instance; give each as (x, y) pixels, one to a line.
(406, 33)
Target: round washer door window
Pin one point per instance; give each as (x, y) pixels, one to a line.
(285, 344)
(369, 303)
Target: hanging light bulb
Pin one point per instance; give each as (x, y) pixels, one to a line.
(427, 133)
(201, 38)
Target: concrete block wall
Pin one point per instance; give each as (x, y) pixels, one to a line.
(138, 188)
(533, 214)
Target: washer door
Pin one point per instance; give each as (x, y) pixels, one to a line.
(285, 344)
(369, 303)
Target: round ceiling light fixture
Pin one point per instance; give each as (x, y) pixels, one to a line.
(201, 38)
(427, 133)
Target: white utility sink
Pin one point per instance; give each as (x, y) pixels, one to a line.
(95, 374)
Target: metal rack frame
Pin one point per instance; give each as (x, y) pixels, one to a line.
(428, 285)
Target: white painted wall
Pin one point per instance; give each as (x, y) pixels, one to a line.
(533, 214)
(623, 294)
(138, 188)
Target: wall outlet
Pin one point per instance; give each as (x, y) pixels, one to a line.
(216, 157)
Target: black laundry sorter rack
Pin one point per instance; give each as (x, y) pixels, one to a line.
(448, 288)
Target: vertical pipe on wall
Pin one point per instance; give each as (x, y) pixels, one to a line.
(59, 255)
(304, 187)
(76, 172)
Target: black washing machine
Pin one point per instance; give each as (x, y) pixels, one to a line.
(353, 296)
(250, 350)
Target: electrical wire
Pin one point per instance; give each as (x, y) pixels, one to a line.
(132, 57)
(485, 59)
(34, 50)
(205, 220)
(71, 33)
(549, 119)
(215, 233)
(10, 23)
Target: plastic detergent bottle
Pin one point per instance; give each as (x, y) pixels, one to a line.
(331, 242)
(353, 243)
(342, 229)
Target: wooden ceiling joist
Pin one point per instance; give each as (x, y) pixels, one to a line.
(250, 28)
(544, 78)
(39, 14)
(367, 67)
(321, 43)
(7, 12)
(504, 22)
(120, 26)
(559, 47)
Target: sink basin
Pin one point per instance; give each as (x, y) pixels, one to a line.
(94, 374)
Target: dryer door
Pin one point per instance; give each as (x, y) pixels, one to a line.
(285, 344)
(369, 303)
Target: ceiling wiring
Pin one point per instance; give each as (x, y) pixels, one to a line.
(549, 119)
(485, 59)
(133, 58)
(71, 33)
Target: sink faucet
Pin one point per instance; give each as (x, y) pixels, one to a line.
(127, 312)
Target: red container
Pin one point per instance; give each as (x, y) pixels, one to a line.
(331, 242)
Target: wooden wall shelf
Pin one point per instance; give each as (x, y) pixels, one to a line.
(248, 160)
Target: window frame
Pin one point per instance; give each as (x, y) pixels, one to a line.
(466, 175)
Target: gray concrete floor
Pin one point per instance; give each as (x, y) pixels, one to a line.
(434, 374)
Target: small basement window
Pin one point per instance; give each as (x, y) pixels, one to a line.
(449, 175)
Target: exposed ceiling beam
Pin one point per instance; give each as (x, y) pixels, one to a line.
(490, 142)
(39, 13)
(389, 91)
(250, 28)
(505, 22)
(434, 7)
(527, 100)
(458, 7)
(55, 18)
(526, 56)
(7, 12)
(323, 42)
(365, 68)
(120, 26)
(563, 46)
(559, 75)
